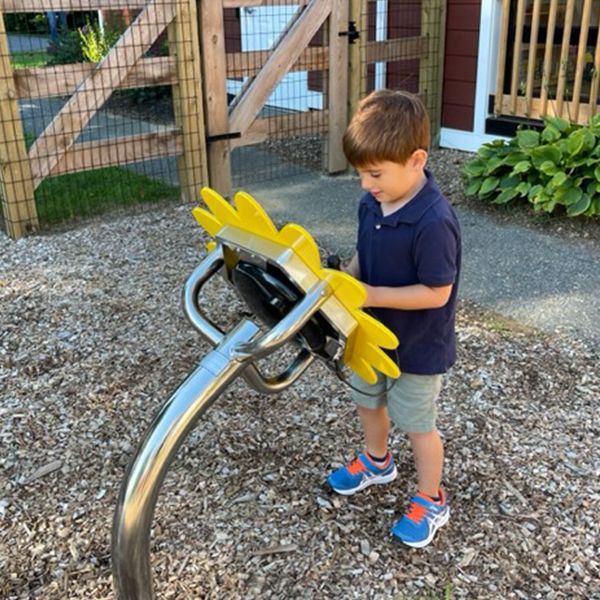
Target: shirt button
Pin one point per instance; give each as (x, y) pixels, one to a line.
(378, 226)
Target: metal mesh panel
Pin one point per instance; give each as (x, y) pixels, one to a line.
(99, 132)
(404, 49)
(291, 140)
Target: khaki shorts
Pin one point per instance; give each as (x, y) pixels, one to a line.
(411, 403)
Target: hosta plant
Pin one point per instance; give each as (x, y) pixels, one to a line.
(558, 166)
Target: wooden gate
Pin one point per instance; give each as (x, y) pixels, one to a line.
(237, 124)
(54, 151)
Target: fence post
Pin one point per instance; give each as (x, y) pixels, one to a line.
(357, 80)
(187, 99)
(214, 70)
(16, 182)
(338, 86)
(431, 71)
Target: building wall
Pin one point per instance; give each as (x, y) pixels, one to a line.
(460, 63)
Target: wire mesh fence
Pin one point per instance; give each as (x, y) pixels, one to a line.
(293, 136)
(107, 107)
(92, 128)
(404, 49)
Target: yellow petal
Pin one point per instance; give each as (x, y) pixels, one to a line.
(253, 216)
(348, 290)
(362, 368)
(376, 332)
(220, 208)
(378, 359)
(207, 221)
(303, 244)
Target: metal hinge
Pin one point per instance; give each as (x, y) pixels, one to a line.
(224, 136)
(353, 34)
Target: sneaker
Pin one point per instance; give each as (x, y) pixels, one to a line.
(362, 473)
(424, 517)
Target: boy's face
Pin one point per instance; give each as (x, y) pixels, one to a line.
(390, 182)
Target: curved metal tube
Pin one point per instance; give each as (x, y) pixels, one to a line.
(272, 385)
(191, 291)
(291, 324)
(139, 492)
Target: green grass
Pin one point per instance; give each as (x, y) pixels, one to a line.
(27, 60)
(91, 193)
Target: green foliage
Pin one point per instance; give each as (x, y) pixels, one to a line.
(89, 193)
(96, 42)
(26, 60)
(26, 23)
(66, 50)
(557, 167)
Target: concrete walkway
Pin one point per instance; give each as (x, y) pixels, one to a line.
(536, 278)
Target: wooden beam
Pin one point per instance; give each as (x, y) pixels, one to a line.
(389, 50)
(63, 80)
(586, 17)
(283, 126)
(564, 59)
(285, 54)
(119, 151)
(502, 53)
(255, 3)
(431, 62)
(552, 109)
(248, 64)
(358, 55)
(214, 69)
(184, 43)
(36, 6)
(548, 52)
(61, 133)
(16, 182)
(338, 87)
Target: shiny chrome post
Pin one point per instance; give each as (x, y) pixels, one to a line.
(137, 500)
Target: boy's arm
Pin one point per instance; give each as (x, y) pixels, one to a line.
(409, 297)
(352, 268)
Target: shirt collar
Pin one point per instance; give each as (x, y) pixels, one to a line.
(413, 211)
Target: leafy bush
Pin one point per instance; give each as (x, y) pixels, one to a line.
(559, 166)
(66, 50)
(96, 41)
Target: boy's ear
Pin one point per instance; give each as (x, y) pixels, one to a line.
(418, 159)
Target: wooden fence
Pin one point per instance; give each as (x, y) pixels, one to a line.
(549, 59)
(208, 125)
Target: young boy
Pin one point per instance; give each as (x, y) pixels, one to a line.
(408, 257)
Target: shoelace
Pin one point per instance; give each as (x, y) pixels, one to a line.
(417, 512)
(356, 467)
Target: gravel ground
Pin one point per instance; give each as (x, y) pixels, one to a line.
(93, 339)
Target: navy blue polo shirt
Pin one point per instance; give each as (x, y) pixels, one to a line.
(418, 243)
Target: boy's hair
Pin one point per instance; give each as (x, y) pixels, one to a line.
(388, 126)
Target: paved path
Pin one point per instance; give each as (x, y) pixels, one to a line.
(27, 43)
(539, 279)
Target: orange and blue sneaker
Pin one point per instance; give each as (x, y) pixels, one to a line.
(361, 473)
(423, 518)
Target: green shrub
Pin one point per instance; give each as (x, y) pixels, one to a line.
(559, 166)
(96, 41)
(66, 50)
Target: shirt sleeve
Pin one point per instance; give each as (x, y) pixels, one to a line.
(436, 253)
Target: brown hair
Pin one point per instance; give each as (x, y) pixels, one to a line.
(388, 125)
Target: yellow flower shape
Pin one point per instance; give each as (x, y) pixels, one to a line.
(363, 352)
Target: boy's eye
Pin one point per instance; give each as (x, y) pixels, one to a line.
(375, 175)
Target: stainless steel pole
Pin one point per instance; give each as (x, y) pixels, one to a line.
(137, 500)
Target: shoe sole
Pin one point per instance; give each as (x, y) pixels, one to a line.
(427, 540)
(368, 482)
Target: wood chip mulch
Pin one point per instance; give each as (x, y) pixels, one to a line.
(93, 340)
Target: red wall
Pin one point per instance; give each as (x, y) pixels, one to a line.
(460, 64)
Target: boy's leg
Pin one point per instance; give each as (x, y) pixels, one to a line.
(428, 451)
(364, 471)
(376, 428)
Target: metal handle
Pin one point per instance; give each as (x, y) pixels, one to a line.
(265, 385)
(291, 324)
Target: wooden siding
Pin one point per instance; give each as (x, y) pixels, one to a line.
(460, 64)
